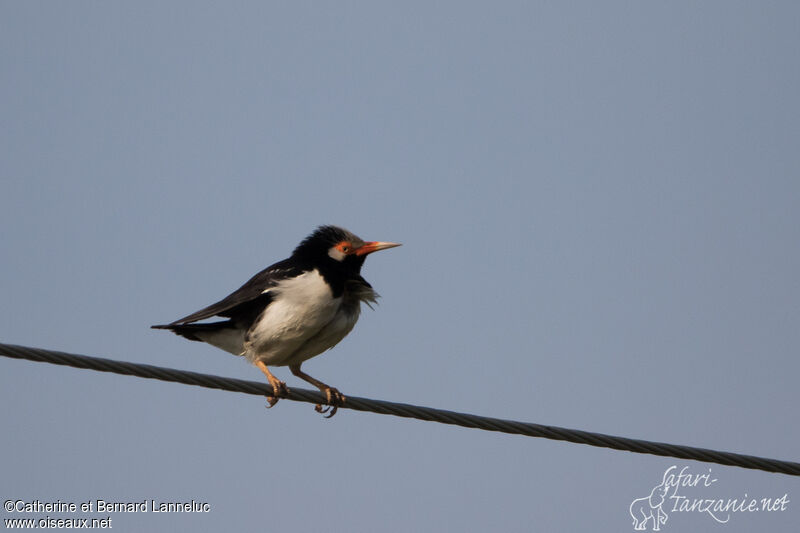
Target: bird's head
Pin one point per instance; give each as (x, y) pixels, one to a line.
(337, 246)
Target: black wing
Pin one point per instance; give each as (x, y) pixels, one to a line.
(249, 297)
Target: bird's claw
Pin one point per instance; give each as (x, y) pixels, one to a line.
(335, 399)
(279, 390)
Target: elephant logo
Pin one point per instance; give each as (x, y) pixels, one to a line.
(649, 508)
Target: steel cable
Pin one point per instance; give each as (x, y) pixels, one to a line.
(405, 410)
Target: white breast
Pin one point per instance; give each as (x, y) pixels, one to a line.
(303, 320)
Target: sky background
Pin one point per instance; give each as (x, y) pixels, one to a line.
(599, 209)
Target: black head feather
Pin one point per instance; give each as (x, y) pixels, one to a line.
(319, 242)
(314, 252)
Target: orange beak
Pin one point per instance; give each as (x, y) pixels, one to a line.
(374, 246)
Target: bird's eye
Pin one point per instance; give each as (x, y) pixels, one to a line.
(345, 249)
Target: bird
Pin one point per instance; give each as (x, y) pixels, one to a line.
(292, 310)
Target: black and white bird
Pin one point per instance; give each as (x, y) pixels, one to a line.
(293, 310)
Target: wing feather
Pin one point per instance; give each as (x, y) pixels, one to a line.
(248, 298)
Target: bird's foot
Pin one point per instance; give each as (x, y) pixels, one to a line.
(335, 399)
(279, 390)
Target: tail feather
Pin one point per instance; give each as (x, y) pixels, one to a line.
(225, 335)
(190, 331)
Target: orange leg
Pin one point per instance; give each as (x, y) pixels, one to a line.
(278, 387)
(335, 398)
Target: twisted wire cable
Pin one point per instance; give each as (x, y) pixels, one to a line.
(405, 410)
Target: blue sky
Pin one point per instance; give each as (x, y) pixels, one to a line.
(599, 211)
